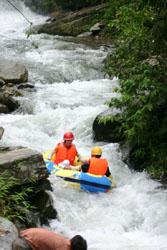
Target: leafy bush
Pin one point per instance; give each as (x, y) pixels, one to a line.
(42, 6)
(139, 31)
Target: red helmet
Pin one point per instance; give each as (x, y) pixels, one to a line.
(68, 136)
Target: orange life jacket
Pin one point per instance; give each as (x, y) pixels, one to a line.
(98, 166)
(63, 153)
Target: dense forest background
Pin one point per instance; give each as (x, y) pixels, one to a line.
(139, 31)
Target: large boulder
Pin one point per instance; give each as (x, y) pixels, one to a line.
(8, 233)
(23, 164)
(11, 71)
(107, 127)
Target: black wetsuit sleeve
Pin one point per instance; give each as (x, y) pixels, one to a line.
(108, 173)
(85, 167)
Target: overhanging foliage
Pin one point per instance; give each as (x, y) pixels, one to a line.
(139, 31)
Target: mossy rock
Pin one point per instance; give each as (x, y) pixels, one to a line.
(107, 127)
(60, 28)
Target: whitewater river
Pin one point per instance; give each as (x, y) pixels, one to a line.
(70, 91)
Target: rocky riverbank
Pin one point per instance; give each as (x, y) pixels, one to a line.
(13, 78)
(21, 169)
(86, 25)
(26, 168)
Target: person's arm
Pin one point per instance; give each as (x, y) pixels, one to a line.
(54, 151)
(77, 154)
(108, 173)
(76, 167)
(85, 167)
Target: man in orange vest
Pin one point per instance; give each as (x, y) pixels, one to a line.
(96, 165)
(43, 239)
(65, 152)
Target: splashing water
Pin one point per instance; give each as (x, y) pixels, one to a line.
(70, 91)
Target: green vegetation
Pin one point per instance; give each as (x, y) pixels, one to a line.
(14, 204)
(42, 6)
(138, 29)
(48, 5)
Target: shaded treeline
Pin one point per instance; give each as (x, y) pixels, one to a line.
(139, 31)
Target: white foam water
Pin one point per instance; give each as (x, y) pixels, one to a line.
(70, 91)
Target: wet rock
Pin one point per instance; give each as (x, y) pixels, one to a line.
(10, 84)
(8, 233)
(95, 29)
(65, 28)
(42, 200)
(9, 102)
(125, 151)
(13, 72)
(43, 210)
(4, 109)
(1, 132)
(2, 83)
(72, 24)
(11, 91)
(109, 129)
(85, 34)
(51, 19)
(25, 86)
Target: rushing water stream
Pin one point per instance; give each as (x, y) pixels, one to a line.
(70, 91)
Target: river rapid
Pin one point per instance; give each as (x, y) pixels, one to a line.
(70, 91)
